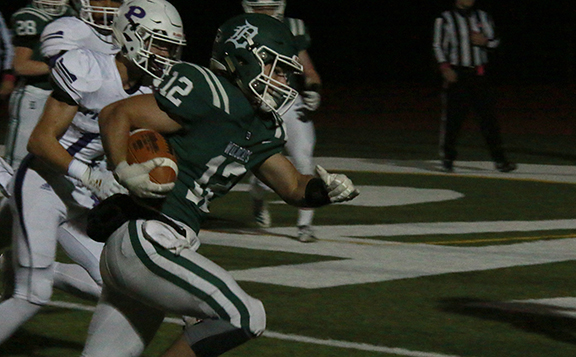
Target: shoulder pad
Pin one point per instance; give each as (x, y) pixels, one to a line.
(63, 34)
(39, 18)
(202, 87)
(300, 32)
(200, 77)
(296, 26)
(77, 72)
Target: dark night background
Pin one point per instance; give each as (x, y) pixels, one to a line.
(380, 79)
(390, 41)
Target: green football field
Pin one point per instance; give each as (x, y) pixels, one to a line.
(422, 263)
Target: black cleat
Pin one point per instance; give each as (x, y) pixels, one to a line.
(505, 166)
(447, 166)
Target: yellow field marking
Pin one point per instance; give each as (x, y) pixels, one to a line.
(251, 232)
(373, 242)
(507, 239)
(469, 241)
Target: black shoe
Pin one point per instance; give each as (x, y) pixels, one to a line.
(447, 165)
(505, 166)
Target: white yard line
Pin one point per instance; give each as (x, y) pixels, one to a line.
(352, 345)
(289, 337)
(548, 173)
(358, 261)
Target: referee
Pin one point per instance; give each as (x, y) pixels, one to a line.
(463, 37)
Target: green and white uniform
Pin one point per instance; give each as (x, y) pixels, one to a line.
(299, 127)
(150, 265)
(28, 99)
(222, 138)
(300, 32)
(300, 131)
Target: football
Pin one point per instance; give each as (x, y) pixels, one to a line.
(147, 144)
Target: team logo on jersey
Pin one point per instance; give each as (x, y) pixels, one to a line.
(243, 35)
(238, 152)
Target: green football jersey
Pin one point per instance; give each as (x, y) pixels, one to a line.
(223, 138)
(302, 41)
(27, 25)
(300, 32)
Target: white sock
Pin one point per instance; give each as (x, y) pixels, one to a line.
(305, 216)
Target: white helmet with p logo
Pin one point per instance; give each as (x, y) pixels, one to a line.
(143, 25)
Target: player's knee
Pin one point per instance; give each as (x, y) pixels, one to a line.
(34, 285)
(253, 319)
(211, 338)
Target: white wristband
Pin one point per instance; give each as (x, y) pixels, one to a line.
(77, 169)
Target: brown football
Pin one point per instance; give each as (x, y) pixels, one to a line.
(147, 144)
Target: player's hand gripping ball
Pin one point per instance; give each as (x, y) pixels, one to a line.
(147, 144)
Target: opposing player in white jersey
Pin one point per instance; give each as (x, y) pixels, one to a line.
(65, 174)
(299, 126)
(91, 29)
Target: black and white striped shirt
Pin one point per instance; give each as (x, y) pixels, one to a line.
(451, 43)
(6, 47)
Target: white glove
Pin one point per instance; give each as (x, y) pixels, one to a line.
(99, 180)
(311, 100)
(137, 179)
(4, 166)
(340, 187)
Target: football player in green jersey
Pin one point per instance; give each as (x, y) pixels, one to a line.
(221, 124)
(27, 100)
(298, 120)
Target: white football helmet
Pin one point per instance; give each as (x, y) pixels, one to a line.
(276, 7)
(52, 7)
(100, 17)
(150, 34)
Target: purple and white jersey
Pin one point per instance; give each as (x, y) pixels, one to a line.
(70, 33)
(92, 80)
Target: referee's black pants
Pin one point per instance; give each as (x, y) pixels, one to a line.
(470, 92)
